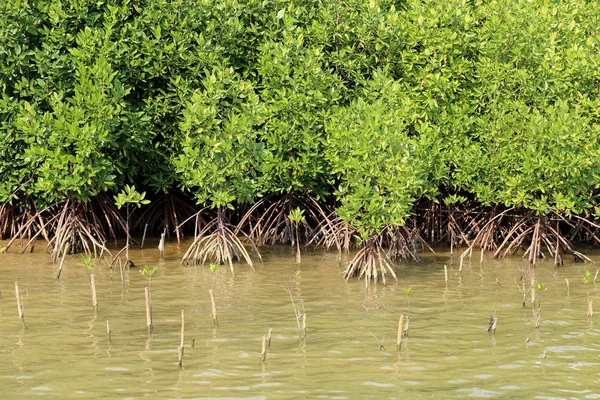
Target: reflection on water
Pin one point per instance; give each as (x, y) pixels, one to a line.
(349, 351)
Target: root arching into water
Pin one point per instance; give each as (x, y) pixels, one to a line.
(510, 231)
(217, 242)
(68, 221)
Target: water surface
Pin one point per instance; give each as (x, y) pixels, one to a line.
(64, 351)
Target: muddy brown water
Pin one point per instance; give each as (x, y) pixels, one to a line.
(64, 352)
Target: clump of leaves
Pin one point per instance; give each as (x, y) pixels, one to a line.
(587, 278)
(219, 158)
(540, 287)
(129, 195)
(149, 273)
(297, 216)
(87, 262)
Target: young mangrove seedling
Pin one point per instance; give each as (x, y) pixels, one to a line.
(148, 273)
(407, 293)
(263, 351)
(213, 269)
(587, 279)
(537, 312)
(128, 196)
(399, 338)
(180, 349)
(540, 288)
(87, 263)
(297, 217)
(20, 305)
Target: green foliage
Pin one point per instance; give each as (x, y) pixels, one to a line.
(531, 141)
(297, 216)
(130, 196)
(538, 159)
(64, 103)
(214, 267)
(86, 261)
(589, 277)
(374, 159)
(375, 103)
(148, 272)
(407, 291)
(296, 90)
(540, 287)
(220, 150)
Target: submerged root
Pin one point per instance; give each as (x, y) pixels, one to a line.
(166, 214)
(272, 225)
(333, 231)
(69, 222)
(111, 220)
(221, 245)
(268, 221)
(370, 263)
(505, 234)
(79, 226)
(403, 243)
(22, 221)
(449, 223)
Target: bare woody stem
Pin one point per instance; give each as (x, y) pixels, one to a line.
(19, 304)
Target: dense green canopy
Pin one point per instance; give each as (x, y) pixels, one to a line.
(371, 104)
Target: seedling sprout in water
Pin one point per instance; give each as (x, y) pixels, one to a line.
(587, 279)
(537, 313)
(213, 268)
(540, 288)
(148, 273)
(86, 261)
(297, 217)
(127, 197)
(407, 293)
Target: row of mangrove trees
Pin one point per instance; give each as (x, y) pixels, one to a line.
(393, 125)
